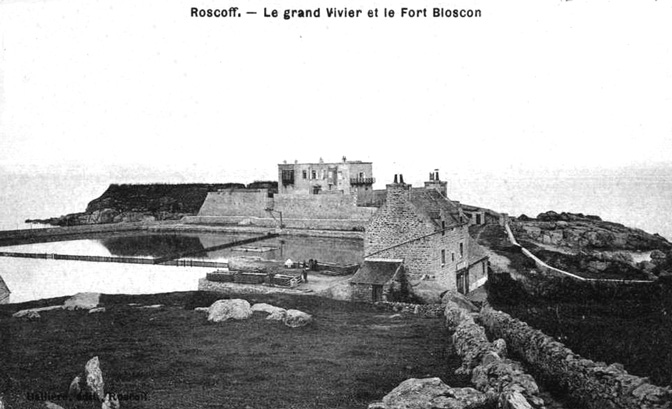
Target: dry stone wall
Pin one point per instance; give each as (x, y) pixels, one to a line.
(504, 381)
(427, 310)
(590, 384)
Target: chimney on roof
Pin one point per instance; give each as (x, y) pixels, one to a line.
(398, 193)
(436, 183)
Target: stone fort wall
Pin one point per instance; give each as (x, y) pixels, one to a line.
(249, 207)
(236, 202)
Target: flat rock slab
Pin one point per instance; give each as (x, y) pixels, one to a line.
(30, 311)
(431, 393)
(268, 308)
(82, 301)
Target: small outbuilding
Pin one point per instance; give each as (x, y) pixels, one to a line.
(375, 279)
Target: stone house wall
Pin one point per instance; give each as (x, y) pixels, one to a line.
(478, 274)
(398, 230)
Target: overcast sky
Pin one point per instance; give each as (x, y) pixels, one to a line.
(531, 85)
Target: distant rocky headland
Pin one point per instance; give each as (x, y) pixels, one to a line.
(579, 231)
(147, 202)
(576, 242)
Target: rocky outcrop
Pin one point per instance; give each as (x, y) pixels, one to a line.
(580, 232)
(296, 318)
(223, 310)
(145, 202)
(430, 393)
(590, 384)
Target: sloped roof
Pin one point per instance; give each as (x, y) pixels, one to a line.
(4, 290)
(431, 202)
(476, 252)
(375, 272)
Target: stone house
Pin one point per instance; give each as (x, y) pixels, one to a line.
(429, 232)
(4, 292)
(376, 279)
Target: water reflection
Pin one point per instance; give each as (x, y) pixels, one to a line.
(297, 248)
(30, 279)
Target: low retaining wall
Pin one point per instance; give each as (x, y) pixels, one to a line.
(593, 385)
(427, 310)
(205, 228)
(233, 288)
(292, 223)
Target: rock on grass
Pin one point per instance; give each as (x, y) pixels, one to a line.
(223, 310)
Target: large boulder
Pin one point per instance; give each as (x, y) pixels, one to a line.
(82, 301)
(296, 318)
(277, 316)
(432, 393)
(223, 310)
(94, 378)
(459, 299)
(268, 308)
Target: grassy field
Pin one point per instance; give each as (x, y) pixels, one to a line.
(352, 355)
(611, 326)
